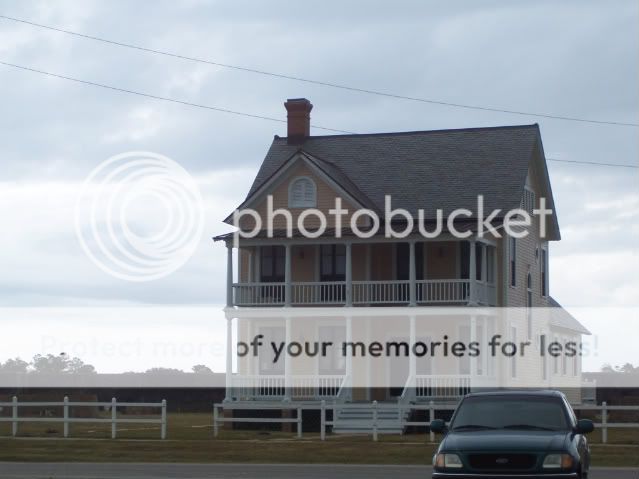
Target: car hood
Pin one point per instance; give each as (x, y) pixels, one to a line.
(501, 440)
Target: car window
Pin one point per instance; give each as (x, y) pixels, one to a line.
(514, 412)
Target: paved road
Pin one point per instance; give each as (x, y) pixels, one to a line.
(15, 470)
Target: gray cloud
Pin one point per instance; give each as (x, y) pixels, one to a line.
(575, 58)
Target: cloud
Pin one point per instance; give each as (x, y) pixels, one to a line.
(577, 58)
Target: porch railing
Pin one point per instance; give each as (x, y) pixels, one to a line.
(429, 291)
(442, 290)
(310, 387)
(258, 294)
(379, 292)
(327, 292)
(449, 386)
(261, 386)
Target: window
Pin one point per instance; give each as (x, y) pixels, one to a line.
(464, 259)
(529, 304)
(490, 264)
(402, 257)
(480, 337)
(266, 356)
(513, 363)
(334, 362)
(512, 256)
(333, 262)
(544, 360)
(528, 200)
(512, 412)
(302, 193)
(544, 272)
(272, 264)
(464, 337)
(555, 361)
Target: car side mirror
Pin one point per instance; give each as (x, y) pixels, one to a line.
(437, 425)
(585, 426)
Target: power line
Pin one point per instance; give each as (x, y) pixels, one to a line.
(162, 98)
(319, 82)
(234, 112)
(595, 163)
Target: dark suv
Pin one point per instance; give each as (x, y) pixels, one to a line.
(513, 434)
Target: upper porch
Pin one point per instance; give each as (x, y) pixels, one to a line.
(380, 271)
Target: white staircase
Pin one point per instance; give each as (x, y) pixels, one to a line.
(353, 418)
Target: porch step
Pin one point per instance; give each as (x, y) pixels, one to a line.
(358, 418)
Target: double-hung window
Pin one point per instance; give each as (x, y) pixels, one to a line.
(333, 262)
(512, 260)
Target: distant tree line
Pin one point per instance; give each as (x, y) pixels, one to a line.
(47, 364)
(64, 364)
(625, 369)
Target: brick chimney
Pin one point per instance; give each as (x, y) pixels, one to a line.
(299, 119)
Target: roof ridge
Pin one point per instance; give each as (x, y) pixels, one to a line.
(417, 132)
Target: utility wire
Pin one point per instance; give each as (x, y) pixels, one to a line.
(595, 163)
(225, 110)
(319, 82)
(162, 98)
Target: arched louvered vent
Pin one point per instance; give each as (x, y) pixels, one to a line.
(302, 193)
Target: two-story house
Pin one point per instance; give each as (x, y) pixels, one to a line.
(279, 272)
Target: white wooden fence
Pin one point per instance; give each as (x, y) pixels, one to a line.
(66, 420)
(431, 407)
(604, 425)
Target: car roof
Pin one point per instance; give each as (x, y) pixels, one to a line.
(518, 392)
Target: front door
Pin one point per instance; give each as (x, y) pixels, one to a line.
(398, 369)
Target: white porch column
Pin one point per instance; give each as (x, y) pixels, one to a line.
(412, 274)
(229, 274)
(287, 277)
(473, 360)
(412, 367)
(229, 359)
(349, 274)
(472, 273)
(349, 359)
(288, 384)
(484, 273)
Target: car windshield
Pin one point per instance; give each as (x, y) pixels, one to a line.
(511, 412)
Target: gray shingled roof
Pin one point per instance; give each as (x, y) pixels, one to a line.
(444, 169)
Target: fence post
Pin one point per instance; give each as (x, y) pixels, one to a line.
(66, 416)
(114, 417)
(323, 420)
(604, 422)
(374, 420)
(431, 417)
(215, 423)
(14, 424)
(163, 429)
(299, 421)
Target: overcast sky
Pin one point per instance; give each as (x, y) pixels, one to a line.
(577, 59)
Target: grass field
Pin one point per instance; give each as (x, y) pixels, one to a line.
(190, 439)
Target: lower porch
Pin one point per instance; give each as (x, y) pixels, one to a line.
(436, 387)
